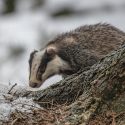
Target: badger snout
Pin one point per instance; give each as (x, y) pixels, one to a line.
(34, 85)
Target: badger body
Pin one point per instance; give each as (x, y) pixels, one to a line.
(72, 51)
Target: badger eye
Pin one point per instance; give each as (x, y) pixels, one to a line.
(40, 71)
(39, 74)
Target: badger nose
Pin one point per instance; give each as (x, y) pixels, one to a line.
(33, 85)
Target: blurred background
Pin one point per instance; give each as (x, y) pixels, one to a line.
(26, 25)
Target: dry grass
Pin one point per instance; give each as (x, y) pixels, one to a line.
(51, 116)
(57, 116)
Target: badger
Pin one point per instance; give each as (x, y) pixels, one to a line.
(69, 52)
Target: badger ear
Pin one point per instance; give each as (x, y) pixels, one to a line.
(51, 51)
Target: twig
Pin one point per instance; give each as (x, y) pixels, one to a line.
(9, 92)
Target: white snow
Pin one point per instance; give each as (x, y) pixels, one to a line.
(9, 102)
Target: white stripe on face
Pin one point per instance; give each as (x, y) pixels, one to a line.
(54, 67)
(35, 65)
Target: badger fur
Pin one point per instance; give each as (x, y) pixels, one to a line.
(69, 52)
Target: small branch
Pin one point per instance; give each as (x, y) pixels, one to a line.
(9, 92)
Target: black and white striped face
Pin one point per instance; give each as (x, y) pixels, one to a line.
(44, 64)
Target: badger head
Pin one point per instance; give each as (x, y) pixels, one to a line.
(44, 64)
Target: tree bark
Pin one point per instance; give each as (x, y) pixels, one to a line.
(95, 96)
